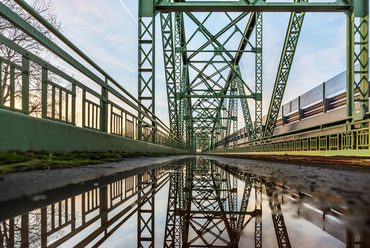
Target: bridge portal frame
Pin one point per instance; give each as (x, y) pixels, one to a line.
(357, 13)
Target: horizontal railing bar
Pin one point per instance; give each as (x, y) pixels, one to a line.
(45, 64)
(60, 36)
(11, 64)
(26, 27)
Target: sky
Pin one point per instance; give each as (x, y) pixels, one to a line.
(107, 32)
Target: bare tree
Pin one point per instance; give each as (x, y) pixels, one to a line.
(46, 9)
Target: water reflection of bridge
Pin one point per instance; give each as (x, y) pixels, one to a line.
(203, 210)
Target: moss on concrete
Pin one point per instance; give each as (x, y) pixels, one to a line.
(15, 162)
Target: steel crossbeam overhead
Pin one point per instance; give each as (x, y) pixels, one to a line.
(286, 61)
(250, 6)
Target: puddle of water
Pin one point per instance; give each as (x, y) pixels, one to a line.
(191, 203)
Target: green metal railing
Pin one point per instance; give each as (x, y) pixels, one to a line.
(356, 139)
(92, 103)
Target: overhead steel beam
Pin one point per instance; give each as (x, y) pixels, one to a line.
(219, 96)
(256, 6)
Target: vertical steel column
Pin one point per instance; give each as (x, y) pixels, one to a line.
(258, 78)
(103, 210)
(44, 228)
(44, 93)
(350, 106)
(361, 54)
(170, 67)
(145, 213)
(146, 59)
(25, 84)
(234, 112)
(178, 70)
(258, 217)
(104, 108)
(24, 231)
(172, 236)
(186, 201)
(222, 122)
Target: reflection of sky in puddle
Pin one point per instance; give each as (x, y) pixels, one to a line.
(304, 222)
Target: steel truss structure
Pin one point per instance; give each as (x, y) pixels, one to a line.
(203, 208)
(202, 68)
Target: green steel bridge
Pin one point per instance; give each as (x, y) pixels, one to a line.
(204, 82)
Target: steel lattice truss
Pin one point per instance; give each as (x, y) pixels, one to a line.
(202, 63)
(203, 209)
(203, 100)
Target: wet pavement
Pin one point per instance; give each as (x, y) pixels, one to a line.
(193, 202)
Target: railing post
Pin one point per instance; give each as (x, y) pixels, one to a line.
(25, 84)
(104, 108)
(44, 89)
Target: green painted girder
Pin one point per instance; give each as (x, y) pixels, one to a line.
(243, 43)
(146, 62)
(258, 128)
(219, 96)
(361, 57)
(170, 67)
(207, 33)
(245, 108)
(251, 6)
(286, 60)
(207, 128)
(233, 111)
(358, 53)
(214, 82)
(234, 118)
